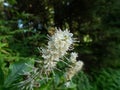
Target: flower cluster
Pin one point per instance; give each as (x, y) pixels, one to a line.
(57, 48)
(76, 66)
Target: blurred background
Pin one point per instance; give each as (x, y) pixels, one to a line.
(24, 25)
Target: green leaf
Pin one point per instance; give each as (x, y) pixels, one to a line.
(2, 45)
(56, 80)
(70, 86)
(16, 69)
(1, 79)
(46, 87)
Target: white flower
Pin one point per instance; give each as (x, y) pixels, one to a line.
(73, 70)
(67, 84)
(58, 45)
(78, 66)
(73, 57)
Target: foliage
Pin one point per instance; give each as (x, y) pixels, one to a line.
(96, 24)
(107, 79)
(82, 81)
